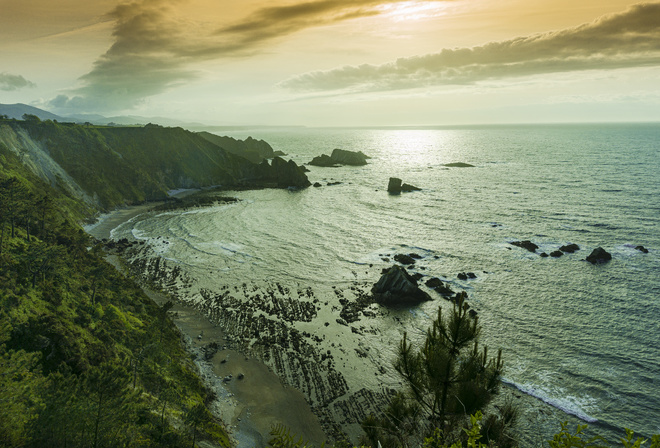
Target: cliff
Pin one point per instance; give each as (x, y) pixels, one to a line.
(251, 149)
(111, 166)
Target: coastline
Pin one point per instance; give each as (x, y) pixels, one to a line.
(249, 407)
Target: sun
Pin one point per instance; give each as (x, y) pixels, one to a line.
(412, 10)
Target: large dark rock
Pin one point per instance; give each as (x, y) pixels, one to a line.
(340, 157)
(526, 245)
(599, 255)
(569, 248)
(396, 185)
(284, 174)
(404, 259)
(397, 287)
(349, 157)
(459, 165)
(642, 249)
(323, 160)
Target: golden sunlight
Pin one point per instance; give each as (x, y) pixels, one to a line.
(412, 10)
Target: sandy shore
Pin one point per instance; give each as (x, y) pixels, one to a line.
(107, 222)
(250, 406)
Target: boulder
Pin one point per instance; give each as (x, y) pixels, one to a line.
(556, 253)
(599, 255)
(526, 245)
(569, 248)
(397, 287)
(642, 249)
(404, 259)
(434, 282)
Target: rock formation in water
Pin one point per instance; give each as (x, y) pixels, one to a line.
(397, 287)
(569, 248)
(598, 256)
(396, 185)
(458, 165)
(526, 244)
(340, 157)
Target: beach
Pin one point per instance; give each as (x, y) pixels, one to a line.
(250, 406)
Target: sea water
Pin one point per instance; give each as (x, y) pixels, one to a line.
(580, 338)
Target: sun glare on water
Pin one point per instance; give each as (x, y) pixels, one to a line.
(412, 10)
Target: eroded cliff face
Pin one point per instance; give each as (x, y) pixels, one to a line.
(112, 166)
(36, 158)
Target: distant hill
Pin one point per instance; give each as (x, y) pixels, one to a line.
(16, 111)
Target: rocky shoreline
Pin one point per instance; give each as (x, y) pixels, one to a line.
(266, 322)
(283, 341)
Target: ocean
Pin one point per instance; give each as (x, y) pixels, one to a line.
(580, 342)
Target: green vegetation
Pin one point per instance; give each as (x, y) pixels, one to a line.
(447, 379)
(116, 166)
(86, 358)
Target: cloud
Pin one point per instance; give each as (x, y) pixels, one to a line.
(627, 39)
(277, 21)
(9, 82)
(154, 49)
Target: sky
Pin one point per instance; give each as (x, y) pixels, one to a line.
(335, 62)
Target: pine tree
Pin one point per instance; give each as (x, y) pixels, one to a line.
(447, 379)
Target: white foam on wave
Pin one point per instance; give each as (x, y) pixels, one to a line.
(559, 398)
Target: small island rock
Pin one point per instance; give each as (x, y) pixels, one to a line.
(396, 185)
(526, 245)
(599, 255)
(340, 157)
(458, 165)
(569, 248)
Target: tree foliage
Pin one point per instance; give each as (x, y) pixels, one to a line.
(86, 358)
(447, 379)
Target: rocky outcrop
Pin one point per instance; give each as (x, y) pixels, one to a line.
(458, 165)
(642, 249)
(396, 287)
(404, 259)
(569, 248)
(349, 157)
(598, 256)
(283, 174)
(251, 149)
(526, 244)
(396, 185)
(340, 157)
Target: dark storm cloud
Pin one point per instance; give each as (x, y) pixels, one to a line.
(627, 39)
(9, 82)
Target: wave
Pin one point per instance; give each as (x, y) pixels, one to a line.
(569, 404)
